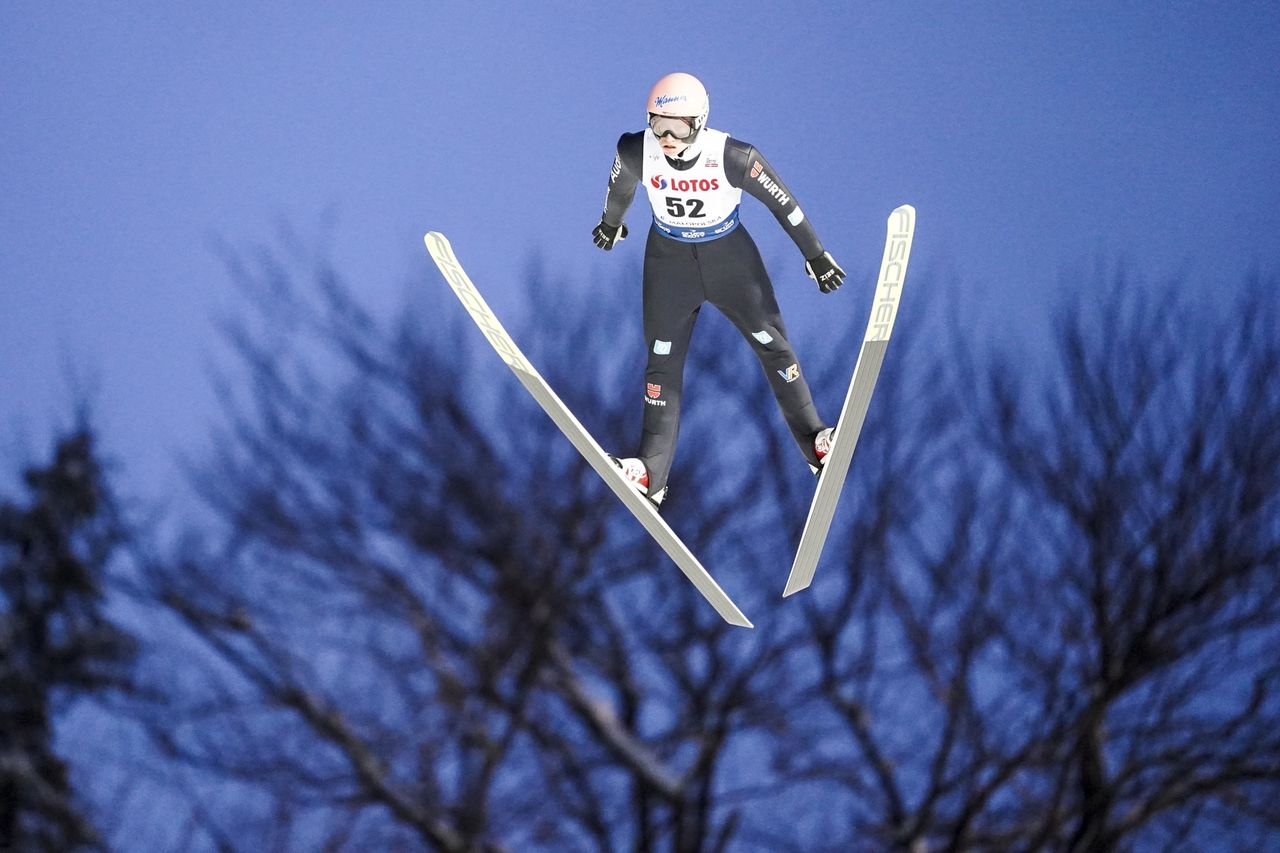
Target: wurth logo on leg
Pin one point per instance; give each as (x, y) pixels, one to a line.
(652, 392)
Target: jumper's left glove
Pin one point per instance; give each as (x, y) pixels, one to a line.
(606, 235)
(825, 271)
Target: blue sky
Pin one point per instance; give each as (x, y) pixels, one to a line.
(1031, 137)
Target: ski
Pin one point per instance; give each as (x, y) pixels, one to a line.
(641, 508)
(893, 271)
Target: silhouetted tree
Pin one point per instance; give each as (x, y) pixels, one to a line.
(424, 619)
(420, 621)
(1071, 644)
(1150, 476)
(56, 642)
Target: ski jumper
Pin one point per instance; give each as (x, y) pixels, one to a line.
(697, 251)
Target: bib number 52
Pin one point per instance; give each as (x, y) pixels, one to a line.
(682, 207)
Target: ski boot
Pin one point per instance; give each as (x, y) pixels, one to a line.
(637, 476)
(821, 447)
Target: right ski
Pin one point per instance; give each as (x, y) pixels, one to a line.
(639, 505)
(893, 271)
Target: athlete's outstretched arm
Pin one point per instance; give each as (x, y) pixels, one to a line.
(623, 178)
(746, 167)
(621, 190)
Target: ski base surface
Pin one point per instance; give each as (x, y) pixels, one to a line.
(893, 271)
(641, 508)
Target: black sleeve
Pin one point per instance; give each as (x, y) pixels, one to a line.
(745, 167)
(623, 177)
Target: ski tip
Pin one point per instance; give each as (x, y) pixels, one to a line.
(437, 244)
(903, 211)
(738, 619)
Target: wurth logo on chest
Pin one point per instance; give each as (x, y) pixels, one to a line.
(758, 172)
(681, 185)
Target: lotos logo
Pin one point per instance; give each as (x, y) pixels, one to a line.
(682, 185)
(663, 100)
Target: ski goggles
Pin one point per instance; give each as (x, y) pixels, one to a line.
(677, 127)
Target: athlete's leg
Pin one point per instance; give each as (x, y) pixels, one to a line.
(737, 284)
(672, 297)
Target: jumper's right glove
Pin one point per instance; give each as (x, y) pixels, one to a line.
(606, 235)
(825, 271)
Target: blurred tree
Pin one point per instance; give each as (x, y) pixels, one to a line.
(56, 643)
(423, 620)
(420, 622)
(1071, 644)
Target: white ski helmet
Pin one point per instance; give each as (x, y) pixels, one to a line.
(678, 96)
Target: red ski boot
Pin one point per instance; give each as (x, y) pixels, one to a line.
(638, 476)
(822, 446)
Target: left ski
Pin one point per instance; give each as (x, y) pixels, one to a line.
(639, 505)
(893, 271)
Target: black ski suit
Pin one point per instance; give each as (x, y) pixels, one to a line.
(726, 271)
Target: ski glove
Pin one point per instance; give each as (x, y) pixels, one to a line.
(606, 235)
(825, 271)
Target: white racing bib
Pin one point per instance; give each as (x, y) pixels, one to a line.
(696, 204)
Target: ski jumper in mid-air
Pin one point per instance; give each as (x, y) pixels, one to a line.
(697, 251)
